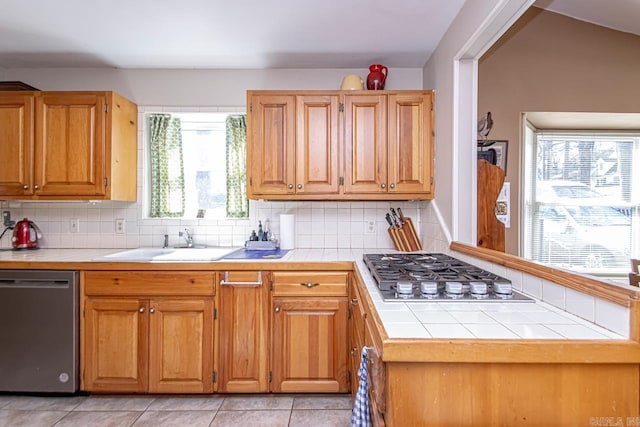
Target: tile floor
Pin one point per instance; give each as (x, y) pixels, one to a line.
(179, 411)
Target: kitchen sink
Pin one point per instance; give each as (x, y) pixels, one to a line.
(169, 254)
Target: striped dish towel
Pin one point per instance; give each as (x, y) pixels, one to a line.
(360, 416)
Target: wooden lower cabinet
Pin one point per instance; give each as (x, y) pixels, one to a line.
(181, 346)
(309, 345)
(147, 332)
(116, 345)
(243, 332)
(309, 340)
(148, 345)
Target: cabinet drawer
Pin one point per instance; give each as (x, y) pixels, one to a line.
(141, 283)
(310, 283)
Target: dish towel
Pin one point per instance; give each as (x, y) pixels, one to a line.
(361, 416)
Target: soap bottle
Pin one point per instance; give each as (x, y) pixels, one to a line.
(260, 232)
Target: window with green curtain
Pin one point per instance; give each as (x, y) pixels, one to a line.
(237, 203)
(167, 168)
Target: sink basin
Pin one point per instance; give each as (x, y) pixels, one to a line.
(168, 254)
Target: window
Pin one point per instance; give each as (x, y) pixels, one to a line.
(191, 158)
(581, 200)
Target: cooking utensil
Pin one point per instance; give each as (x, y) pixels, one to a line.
(411, 230)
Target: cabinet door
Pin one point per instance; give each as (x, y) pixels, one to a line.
(181, 346)
(365, 151)
(270, 145)
(410, 143)
(70, 144)
(309, 345)
(317, 144)
(243, 329)
(115, 345)
(16, 144)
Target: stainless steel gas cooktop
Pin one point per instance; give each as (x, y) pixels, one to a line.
(437, 277)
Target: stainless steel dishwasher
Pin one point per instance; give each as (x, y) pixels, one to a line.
(39, 331)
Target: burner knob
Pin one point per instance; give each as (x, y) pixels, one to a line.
(502, 288)
(479, 288)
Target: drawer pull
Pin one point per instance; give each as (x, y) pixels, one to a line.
(277, 309)
(141, 309)
(226, 282)
(309, 285)
(354, 301)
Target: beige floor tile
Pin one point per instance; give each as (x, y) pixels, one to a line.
(322, 402)
(175, 419)
(275, 418)
(17, 418)
(36, 403)
(320, 418)
(210, 403)
(110, 403)
(99, 419)
(249, 403)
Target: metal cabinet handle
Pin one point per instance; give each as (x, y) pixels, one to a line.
(26, 187)
(299, 186)
(354, 351)
(290, 186)
(392, 185)
(277, 309)
(383, 185)
(152, 310)
(226, 282)
(35, 187)
(141, 309)
(309, 285)
(354, 301)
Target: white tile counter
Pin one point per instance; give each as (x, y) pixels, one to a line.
(475, 320)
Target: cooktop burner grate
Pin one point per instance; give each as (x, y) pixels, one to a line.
(435, 276)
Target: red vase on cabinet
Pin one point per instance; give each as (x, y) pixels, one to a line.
(377, 76)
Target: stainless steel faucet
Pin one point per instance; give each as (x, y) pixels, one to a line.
(187, 237)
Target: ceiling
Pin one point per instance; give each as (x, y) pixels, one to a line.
(222, 34)
(247, 33)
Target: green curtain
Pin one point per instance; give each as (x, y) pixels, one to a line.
(237, 203)
(167, 171)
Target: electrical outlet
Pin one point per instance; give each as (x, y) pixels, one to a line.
(120, 224)
(370, 227)
(74, 225)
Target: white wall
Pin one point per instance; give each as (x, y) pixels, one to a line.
(319, 224)
(198, 87)
(452, 72)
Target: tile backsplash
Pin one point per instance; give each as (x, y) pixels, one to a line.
(318, 224)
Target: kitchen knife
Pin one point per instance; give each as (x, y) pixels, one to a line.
(410, 230)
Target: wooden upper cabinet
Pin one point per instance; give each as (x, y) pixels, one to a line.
(70, 145)
(365, 143)
(317, 144)
(16, 143)
(270, 147)
(83, 146)
(410, 143)
(340, 145)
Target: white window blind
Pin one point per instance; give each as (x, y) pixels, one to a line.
(581, 200)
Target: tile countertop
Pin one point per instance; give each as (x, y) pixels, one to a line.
(447, 320)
